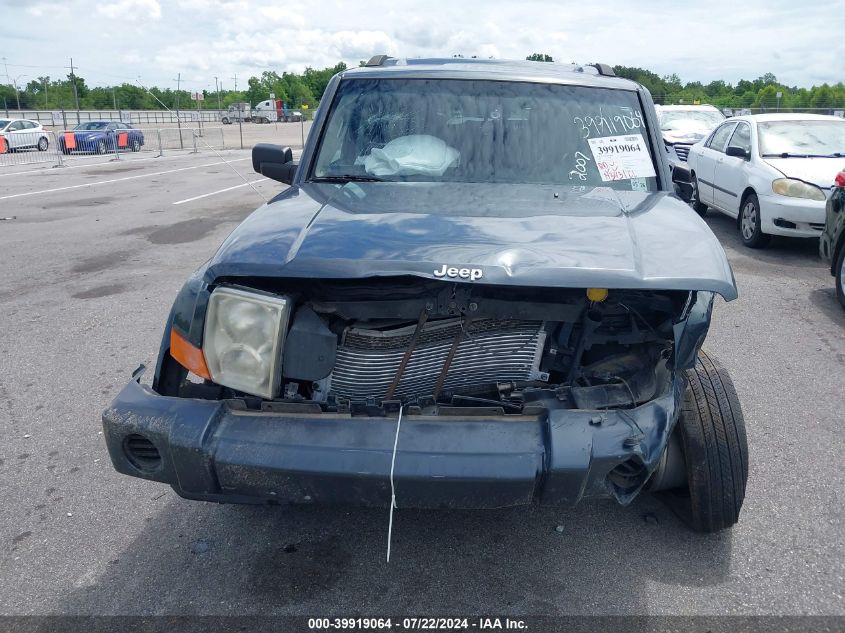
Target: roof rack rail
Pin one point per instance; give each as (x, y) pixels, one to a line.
(377, 60)
(604, 69)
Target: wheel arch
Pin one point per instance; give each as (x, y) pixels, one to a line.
(749, 190)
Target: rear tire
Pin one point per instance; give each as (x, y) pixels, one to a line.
(750, 229)
(695, 199)
(136, 145)
(713, 439)
(840, 276)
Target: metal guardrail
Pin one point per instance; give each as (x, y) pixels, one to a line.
(57, 148)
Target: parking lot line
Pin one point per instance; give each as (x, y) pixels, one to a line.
(113, 180)
(214, 193)
(46, 168)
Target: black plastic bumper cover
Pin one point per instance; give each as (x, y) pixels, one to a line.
(212, 451)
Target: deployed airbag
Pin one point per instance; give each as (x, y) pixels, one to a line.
(414, 155)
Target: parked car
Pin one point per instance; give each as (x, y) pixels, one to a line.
(682, 126)
(474, 293)
(832, 242)
(99, 137)
(772, 172)
(24, 134)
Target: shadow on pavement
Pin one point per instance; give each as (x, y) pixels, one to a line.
(200, 558)
(781, 251)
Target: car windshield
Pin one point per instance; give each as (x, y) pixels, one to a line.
(684, 119)
(802, 138)
(449, 130)
(92, 125)
(4, 123)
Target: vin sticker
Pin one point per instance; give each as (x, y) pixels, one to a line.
(622, 157)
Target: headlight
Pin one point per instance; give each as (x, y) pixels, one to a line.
(243, 340)
(797, 189)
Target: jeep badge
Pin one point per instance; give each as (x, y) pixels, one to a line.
(464, 273)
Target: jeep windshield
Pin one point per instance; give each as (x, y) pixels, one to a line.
(449, 130)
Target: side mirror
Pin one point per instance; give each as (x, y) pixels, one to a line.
(738, 152)
(274, 161)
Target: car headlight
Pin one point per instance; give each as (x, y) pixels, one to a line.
(797, 189)
(243, 340)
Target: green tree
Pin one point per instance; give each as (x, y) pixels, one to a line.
(257, 91)
(539, 57)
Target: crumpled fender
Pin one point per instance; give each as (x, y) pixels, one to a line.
(691, 331)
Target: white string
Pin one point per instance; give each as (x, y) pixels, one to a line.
(231, 166)
(392, 487)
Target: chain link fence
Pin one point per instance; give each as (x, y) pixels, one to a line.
(57, 148)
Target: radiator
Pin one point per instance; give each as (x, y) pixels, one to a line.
(491, 351)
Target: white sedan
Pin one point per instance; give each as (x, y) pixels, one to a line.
(772, 172)
(24, 134)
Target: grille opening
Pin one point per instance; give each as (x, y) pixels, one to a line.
(141, 453)
(682, 151)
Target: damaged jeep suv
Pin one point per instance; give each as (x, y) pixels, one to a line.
(479, 290)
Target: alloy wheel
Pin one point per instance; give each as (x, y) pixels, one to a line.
(748, 224)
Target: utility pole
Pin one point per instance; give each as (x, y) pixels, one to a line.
(8, 79)
(114, 98)
(217, 90)
(178, 81)
(45, 93)
(17, 93)
(236, 82)
(75, 93)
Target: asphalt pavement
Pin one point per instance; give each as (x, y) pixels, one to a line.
(89, 267)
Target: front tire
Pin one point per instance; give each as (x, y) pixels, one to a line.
(750, 229)
(43, 144)
(695, 199)
(101, 147)
(715, 448)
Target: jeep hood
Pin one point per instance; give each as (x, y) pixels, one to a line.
(519, 235)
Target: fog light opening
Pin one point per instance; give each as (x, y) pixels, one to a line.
(628, 477)
(141, 453)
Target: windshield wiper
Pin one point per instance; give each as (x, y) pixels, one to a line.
(791, 155)
(346, 178)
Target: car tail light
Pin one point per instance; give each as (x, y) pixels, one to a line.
(840, 179)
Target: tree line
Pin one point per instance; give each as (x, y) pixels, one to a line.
(48, 93)
(306, 88)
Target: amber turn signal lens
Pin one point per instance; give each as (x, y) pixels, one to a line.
(597, 294)
(187, 355)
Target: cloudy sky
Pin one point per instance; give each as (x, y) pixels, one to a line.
(800, 41)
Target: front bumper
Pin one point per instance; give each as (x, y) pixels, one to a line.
(214, 451)
(793, 217)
